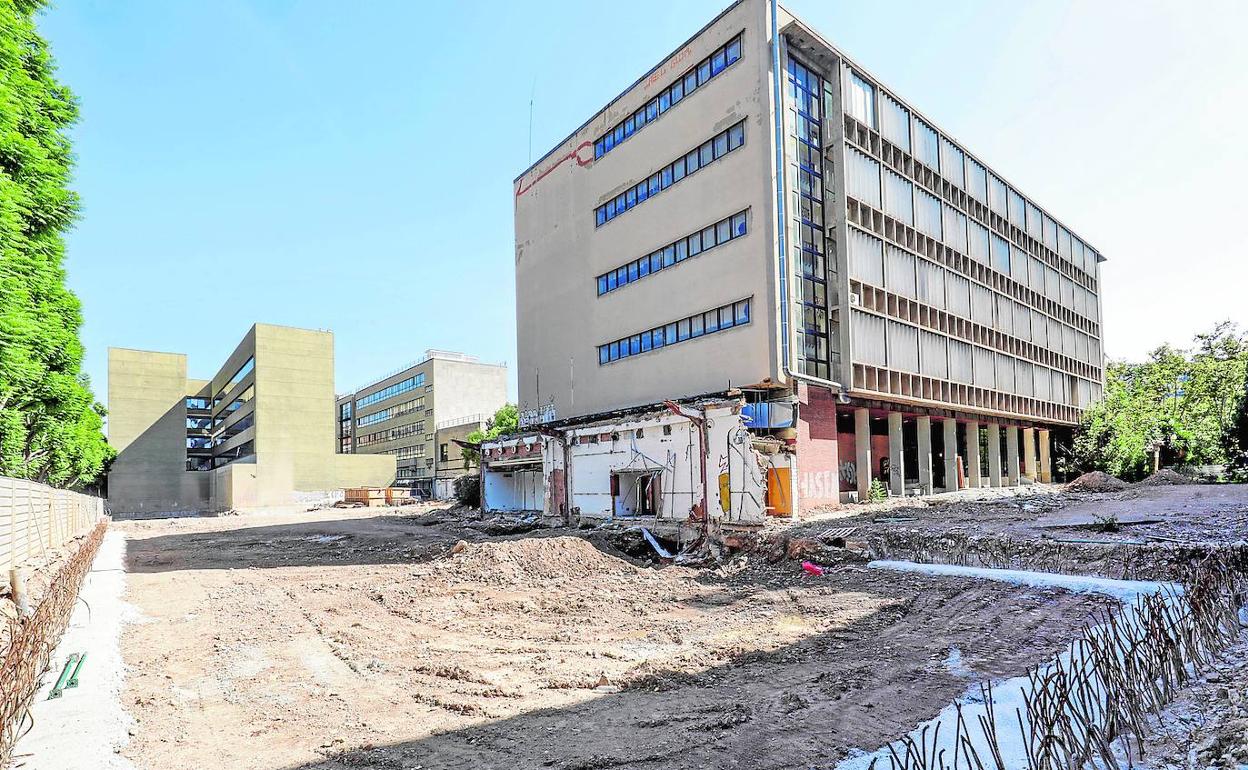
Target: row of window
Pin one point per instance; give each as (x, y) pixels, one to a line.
(236, 404)
(888, 343)
(878, 263)
(411, 383)
(391, 411)
(344, 411)
(196, 402)
(719, 319)
(697, 76)
(910, 133)
(708, 152)
(674, 253)
(911, 205)
(234, 429)
(246, 449)
(394, 433)
(242, 372)
(198, 423)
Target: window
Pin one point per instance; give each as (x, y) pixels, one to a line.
(719, 60)
(246, 449)
(926, 145)
(344, 411)
(709, 151)
(443, 453)
(895, 122)
(242, 372)
(899, 197)
(698, 325)
(198, 423)
(862, 177)
(196, 402)
(860, 99)
(411, 383)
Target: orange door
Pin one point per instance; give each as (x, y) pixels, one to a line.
(779, 501)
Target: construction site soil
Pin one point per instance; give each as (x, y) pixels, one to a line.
(426, 638)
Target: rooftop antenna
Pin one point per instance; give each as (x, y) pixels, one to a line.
(532, 93)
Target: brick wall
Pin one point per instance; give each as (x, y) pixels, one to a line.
(818, 479)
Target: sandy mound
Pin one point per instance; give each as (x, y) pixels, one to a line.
(1165, 478)
(532, 561)
(1096, 481)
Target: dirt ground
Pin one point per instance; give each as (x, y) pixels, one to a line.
(345, 639)
(1196, 513)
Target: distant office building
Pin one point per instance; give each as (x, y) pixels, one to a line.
(258, 433)
(450, 463)
(891, 301)
(399, 414)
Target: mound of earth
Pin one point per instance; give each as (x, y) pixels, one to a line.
(1096, 481)
(532, 561)
(1165, 477)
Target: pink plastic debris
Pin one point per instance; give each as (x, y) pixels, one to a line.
(812, 569)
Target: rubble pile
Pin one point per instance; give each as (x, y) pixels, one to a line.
(1096, 481)
(1165, 477)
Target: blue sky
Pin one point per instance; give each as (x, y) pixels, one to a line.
(247, 161)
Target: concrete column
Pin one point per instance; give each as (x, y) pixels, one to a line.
(994, 454)
(1029, 453)
(924, 427)
(862, 452)
(973, 479)
(950, 436)
(896, 461)
(1046, 466)
(1011, 455)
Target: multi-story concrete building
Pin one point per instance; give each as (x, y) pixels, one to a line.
(760, 212)
(398, 414)
(256, 434)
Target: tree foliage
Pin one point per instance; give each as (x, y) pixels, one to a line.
(1188, 404)
(50, 423)
(505, 420)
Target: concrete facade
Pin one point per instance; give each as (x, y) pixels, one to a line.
(399, 414)
(902, 279)
(256, 434)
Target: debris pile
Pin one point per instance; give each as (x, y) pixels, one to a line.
(532, 561)
(1096, 481)
(1165, 478)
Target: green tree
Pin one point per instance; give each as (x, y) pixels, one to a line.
(50, 423)
(505, 420)
(1184, 404)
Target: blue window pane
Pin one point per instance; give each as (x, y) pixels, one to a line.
(611, 281)
(734, 51)
(628, 126)
(656, 261)
(665, 178)
(669, 333)
(717, 63)
(682, 330)
(712, 321)
(696, 327)
(645, 342)
(643, 268)
(630, 198)
(615, 351)
(678, 91)
(723, 231)
(704, 72)
(695, 244)
(634, 272)
(654, 185)
(610, 209)
(599, 148)
(619, 133)
(652, 110)
(736, 136)
(678, 170)
(738, 224)
(706, 154)
(720, 145)
(604, 354)
(608, 142)
(639, 118)
(665, 101)
(620, 206)
(643, 192)
(602, 284)
(743, 312)
(657, 337)
(691, 162)
(669, 254)
(634, 344)
(691, 82)
(682, 250)
(600, 215)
